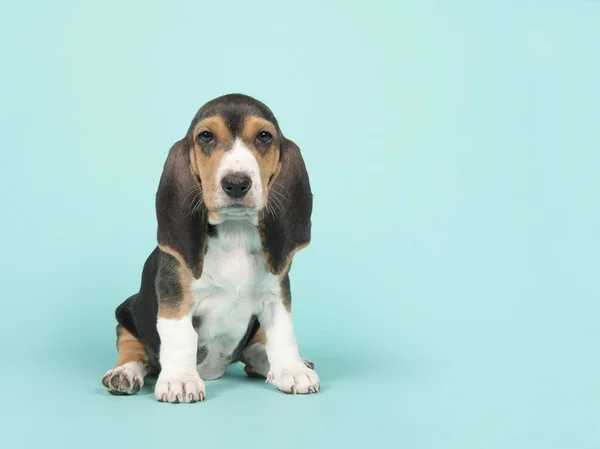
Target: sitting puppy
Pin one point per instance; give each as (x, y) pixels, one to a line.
(233, 207)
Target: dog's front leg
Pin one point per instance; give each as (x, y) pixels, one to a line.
(178, 380)
(288, 371)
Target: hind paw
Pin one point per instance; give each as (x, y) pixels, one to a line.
(124, 379)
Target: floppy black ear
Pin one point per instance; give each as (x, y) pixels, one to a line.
(285, 224)
(182, 217)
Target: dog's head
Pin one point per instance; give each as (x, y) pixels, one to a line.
(234, 163)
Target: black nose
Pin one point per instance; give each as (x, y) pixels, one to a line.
(236, 185)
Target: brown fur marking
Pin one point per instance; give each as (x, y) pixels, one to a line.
(130, 348)
(259, 337)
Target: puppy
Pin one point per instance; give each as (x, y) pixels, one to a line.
(233, 206)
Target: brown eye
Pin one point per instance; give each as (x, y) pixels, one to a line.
(264, 137)
(205, 136)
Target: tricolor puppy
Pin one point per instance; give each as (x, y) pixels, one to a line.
(233, 207)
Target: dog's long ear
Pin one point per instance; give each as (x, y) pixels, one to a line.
(285, 224)
(182, 217)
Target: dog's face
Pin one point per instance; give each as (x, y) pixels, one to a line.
(236, 159)
(235, 142)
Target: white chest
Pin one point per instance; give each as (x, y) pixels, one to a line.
(229, 292)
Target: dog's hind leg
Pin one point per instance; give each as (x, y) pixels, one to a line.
(132, 365)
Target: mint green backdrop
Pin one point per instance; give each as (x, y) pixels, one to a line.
(450, 297)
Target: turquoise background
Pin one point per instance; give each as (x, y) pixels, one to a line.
(450, 297)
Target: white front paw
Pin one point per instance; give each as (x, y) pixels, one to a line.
(176, 388)
(294, 378)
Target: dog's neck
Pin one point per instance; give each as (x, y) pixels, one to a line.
(235, 235)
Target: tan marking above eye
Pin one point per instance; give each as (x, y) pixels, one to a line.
(216, 125)
(253, 125)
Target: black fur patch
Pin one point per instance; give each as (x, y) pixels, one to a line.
(201, 354)
(196, 321)
(286, 291)
(212, 231)
(168, 283)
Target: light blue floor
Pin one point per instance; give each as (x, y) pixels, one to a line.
(450, 297)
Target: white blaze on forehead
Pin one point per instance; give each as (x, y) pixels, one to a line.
(242, 160)
(238, 159)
